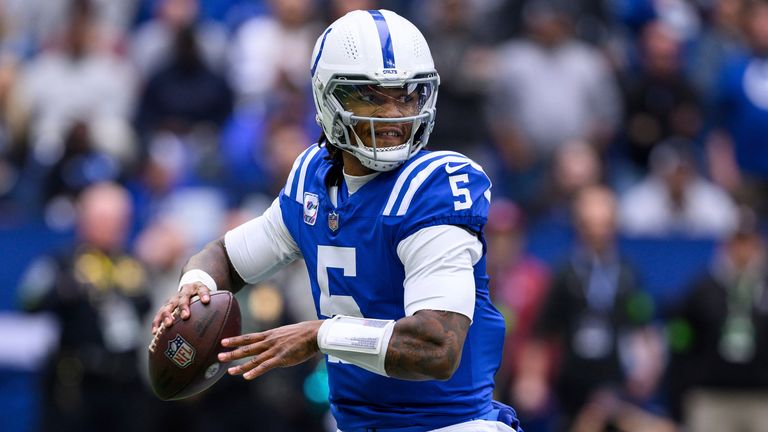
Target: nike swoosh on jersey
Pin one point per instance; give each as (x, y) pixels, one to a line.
(450, 169)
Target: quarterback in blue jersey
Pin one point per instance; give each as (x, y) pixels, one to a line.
(392, 236)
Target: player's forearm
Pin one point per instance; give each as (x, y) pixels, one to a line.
(213, 260)
(426, 346)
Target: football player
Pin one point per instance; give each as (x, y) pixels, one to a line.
(392, 238)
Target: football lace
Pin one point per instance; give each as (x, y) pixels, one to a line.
(159, 332)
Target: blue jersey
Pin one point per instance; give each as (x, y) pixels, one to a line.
(351, 256)
(743, 111)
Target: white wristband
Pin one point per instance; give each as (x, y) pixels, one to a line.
(197, 275)
(360, 341)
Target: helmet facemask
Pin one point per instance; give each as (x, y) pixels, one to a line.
(381, 124)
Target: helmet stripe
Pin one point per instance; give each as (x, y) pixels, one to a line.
(319, 52)
(387, 53)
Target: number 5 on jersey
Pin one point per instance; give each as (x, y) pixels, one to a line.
(336, 257)
(465, 199)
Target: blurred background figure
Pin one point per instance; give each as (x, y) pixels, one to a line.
(153, 40)
(98, 294)
(719, 338)
(29, 25)
(610, 355)
(183, 91)
(15, 199)
(549, 88)
(720, 40)
(79, 82)
(80, 165)
(271, 52)
(674, 199)
(660, 101)
(575, 165)
(185, 101)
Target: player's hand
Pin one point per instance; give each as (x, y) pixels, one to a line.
(181, 301)
(280, 347)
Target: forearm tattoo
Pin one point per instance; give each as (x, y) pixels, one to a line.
(213, 260)
(427, 345)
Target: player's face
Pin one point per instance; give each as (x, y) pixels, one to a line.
(381, 102)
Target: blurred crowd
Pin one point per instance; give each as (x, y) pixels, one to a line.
(627, 141)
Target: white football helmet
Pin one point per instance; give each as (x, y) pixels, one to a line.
(366, 57)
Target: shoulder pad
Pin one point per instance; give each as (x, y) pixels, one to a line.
(440, 188)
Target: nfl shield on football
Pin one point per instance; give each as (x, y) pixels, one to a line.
(183, 357)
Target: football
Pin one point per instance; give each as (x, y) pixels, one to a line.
(183, 357)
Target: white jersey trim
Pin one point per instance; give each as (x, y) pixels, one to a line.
(296, 163)
(303, 174)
